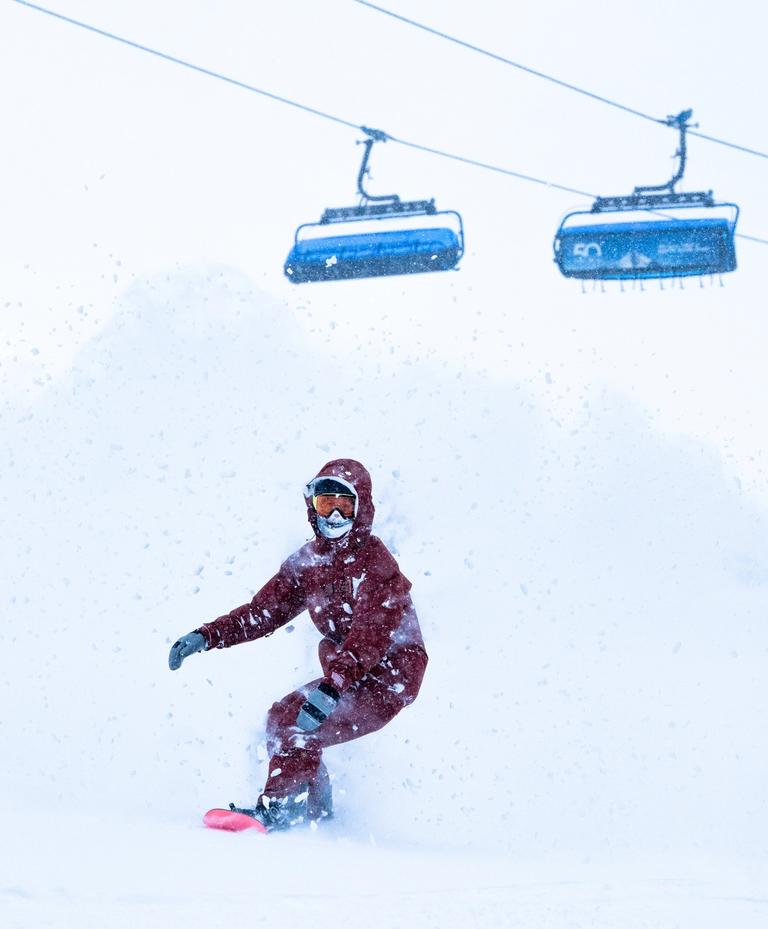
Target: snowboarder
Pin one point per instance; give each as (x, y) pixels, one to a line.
(372, 654)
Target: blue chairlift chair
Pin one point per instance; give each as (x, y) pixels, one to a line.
(399, 247)
(655, 232)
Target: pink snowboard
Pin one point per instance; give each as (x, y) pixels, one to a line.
(231, 822)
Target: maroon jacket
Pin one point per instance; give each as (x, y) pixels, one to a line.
(354, 591)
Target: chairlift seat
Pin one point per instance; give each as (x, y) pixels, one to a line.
(373, 254)
(653, 248)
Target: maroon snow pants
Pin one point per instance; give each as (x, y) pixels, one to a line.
(296, 756)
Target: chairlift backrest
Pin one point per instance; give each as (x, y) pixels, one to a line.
(386, 249)
(645, 235)
(653, 248)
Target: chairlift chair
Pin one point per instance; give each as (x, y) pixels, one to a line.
(656, 232)
(375, 252)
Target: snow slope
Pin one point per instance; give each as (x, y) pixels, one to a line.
(593, 601)
(155, 876)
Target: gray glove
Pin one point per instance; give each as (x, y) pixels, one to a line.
(319, 705)
(187, 645)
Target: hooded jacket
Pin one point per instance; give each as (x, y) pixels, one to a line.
(352, 587)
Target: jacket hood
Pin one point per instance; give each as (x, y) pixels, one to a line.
(350, 472)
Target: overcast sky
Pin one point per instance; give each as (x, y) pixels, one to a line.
(116, 165)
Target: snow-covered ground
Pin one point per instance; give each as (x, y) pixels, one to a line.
(93, 871)
(574, 483)
(143, 877)
(587, 747)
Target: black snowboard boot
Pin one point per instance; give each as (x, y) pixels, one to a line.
(309, 804)
(276, 814)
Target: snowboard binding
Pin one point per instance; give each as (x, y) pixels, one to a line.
(275, 815)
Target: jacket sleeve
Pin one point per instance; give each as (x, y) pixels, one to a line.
(278, 602)
(380, 604)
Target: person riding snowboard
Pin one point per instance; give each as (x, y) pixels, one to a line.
(372, 653)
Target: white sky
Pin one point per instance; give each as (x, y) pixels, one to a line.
(115, 164)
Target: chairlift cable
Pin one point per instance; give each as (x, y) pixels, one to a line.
(490, 167)
(187, 64)
(549, 77)
(739, 148)
(506, 61)
(751, 238)
(316, 112)
(280, 99)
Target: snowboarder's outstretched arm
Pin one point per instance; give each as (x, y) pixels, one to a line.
(278, 602)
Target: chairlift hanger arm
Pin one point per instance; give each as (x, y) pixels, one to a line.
(374, 135)
(682, 123)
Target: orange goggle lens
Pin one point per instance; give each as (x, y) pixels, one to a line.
(325, 504)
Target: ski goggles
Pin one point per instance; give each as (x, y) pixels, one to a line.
(325, 504)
